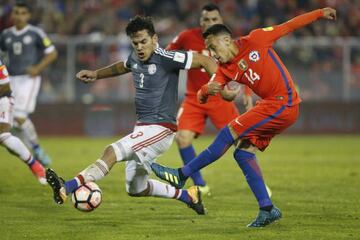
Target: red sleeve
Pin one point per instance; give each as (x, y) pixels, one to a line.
(267, 36)
(177, 43)
(219, 77)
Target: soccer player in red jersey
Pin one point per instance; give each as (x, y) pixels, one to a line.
(192, 115)
(252, 61)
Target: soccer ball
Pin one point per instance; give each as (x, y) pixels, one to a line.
(87, 197)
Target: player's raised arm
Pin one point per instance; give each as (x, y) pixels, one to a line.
(112, 70)
(270, 34)
(202, 61)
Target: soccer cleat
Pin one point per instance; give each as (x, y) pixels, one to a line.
(196, 204)
(170, 175)
(43, 158)
(57, 185)
(205, 190)
(38, 170)
(265, 218)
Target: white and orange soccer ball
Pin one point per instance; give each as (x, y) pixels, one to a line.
(87, 197)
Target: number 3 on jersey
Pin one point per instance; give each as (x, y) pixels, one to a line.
(141, 84)
(252, 76)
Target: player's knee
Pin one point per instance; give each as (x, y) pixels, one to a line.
(183, 139)
(4, 136)
(109, 156)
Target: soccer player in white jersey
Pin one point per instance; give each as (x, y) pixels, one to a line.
(30, 51)
(155, 72)
(13, 144)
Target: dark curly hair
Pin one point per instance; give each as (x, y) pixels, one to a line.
(139, 23)
(216, 29)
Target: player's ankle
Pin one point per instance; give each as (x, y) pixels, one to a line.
(267, 208)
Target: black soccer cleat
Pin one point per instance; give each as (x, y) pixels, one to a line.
(57, 185)
(196, 203)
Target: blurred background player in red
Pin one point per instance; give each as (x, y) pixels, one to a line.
(13, 144)
(251, 61)
(192, 115)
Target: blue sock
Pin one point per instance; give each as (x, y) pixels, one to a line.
(31, 162)
(184, 197)
(188, 154)
(71, 186)
(248, 164)
(220, 145)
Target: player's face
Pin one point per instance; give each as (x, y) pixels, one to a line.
(219, 47)
(144, 44)
(209, 18)
(20, 16)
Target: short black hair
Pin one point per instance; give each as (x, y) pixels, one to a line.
(216, 29)
(23, 4)
(139, 23)
(210, 7)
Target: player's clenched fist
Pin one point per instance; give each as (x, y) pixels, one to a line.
(213, 87)
(86, 76)
(329, 13)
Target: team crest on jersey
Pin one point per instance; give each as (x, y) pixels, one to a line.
(8, 40)
(152, 69)
(27, 39)
(243, 65)
(254, 56)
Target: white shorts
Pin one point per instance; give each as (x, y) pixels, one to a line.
(6, 110)
(141, 148)
(25, 90)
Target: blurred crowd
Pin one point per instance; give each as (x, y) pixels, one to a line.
(322, 67)
(109, 17)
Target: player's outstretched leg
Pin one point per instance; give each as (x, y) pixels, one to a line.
(170, 175)
(266, 217)
(187, 152)
(154, 188)
(177, 177)
(57, 185)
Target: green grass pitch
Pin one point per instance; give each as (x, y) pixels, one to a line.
(315, 181)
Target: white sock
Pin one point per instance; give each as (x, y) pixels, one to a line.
(160, 189)
(94, 172)
(16, 146)
(29, 132)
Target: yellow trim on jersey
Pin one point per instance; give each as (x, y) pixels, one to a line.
(268, 29)
(46, 42)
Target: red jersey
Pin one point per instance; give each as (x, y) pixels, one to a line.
(192, 40)
(258, 66)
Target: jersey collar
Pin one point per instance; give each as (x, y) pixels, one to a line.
(19, 32)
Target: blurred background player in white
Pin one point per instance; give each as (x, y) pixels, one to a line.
(156, 74)
(29, 52)
(13, 144)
